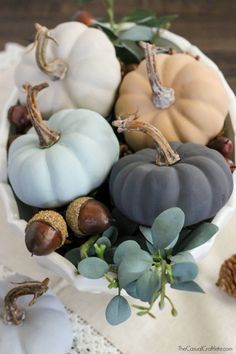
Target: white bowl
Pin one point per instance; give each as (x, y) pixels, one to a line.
(59, 264)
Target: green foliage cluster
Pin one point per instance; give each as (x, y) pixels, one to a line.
(144, 269)
(140, 25)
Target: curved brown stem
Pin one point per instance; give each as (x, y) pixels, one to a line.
(47, 137)
(12, 314)
(163, 97)
(55, 69)
(165, 154)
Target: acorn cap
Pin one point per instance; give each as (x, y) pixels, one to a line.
(45, 232)
(87, 216)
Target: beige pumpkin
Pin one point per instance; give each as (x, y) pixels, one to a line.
(193, 110)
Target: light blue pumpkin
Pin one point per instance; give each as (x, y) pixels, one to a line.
(75, 165)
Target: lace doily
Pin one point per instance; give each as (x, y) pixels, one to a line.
(86, 338)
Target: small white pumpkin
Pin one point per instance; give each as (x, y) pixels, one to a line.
(82, 69)
(76, 152)
(42, 328)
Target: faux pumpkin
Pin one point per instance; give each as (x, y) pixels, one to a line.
(193, 177)
(42, 328)
(62, 160)
(191, 106)
(81, 66)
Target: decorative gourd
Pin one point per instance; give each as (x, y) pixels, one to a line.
(82, 69)
(194, 178)
(193, 107)
(65, 159)
(42, 328)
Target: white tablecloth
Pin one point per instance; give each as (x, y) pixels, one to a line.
(204, 322)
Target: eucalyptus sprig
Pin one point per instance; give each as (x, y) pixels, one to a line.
(145, 274)
(140, 24)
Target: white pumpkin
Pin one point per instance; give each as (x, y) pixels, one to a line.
(45, 329)
(82, 69)
(76, 152)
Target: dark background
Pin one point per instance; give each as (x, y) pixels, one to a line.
(209, 24)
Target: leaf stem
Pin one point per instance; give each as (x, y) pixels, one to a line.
(109, 5)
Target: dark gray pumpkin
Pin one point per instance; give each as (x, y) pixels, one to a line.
(200, 184)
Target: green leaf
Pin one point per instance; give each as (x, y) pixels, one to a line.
(150, 247)
(111, 233)
(137, 33)
(138, 15)
(165, 43)
(182, 257)
(166, 228)
(103, 241)
(126, 248)
(132, 267)
(188, 286)
(129, 52)
(131, 289)
(147, 233)
(118, 310)
(107, 30)
(164, 21)
(147, 284)
(74, 256)
(197, 237)
(183, 272)
(82, 2)
(93, 267)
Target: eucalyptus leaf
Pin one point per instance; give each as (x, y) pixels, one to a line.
(164, 21)
(147, 284)
(183, 272)
(131, 289)
(147, 233)
(103, 241)
(132, 267)
(107, 30)
(165, 43)
(111, 233)
(166, 228)
(137, 33)
(182, 257)
(73, 256)
(188, 286)
(109, 255)
(128, 248)
(138, 15)
(118, 310)
(93, 267)
(151, 248)
(197, 237)
(82, 2)
(127, 53)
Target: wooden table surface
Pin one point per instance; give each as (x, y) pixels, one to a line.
(209, 24)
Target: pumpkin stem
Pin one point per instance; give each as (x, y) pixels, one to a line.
(165, 154)
(55, 69)
(12, 314)
(47, 137)
(163, 97)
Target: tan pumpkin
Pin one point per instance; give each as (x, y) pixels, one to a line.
(190, 107)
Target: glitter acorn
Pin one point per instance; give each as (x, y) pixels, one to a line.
(87, 216)
(45, 232)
